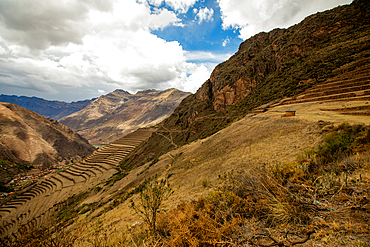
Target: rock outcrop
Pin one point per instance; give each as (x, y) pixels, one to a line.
(285, 61)
(267, 68)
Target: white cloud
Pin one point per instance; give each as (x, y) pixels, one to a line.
(204, 14)
(181, 6)
(199, 74)
(91, 46)
(253, 16)
(225, 42)
(206, 56)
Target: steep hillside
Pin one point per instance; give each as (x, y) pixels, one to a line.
(118, 113)
(26, 136)
(32, 205)
(51, 109)
(267, 68)
(100, 211)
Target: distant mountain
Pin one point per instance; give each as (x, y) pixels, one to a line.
(51, 109)
(28, 137)
(118, 113)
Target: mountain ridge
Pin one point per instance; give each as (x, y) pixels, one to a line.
(119, 112)
(48, 108)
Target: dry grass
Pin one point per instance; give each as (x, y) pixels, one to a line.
(270, 189)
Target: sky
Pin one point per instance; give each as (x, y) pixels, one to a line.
(72, 50)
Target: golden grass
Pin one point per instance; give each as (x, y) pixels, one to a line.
(264, 141)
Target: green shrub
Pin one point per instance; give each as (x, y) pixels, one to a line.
(335, 146)
(151, 196)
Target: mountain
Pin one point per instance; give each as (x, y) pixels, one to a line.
(118, 113)
(28, 137)
(51, 109)
(266, 68)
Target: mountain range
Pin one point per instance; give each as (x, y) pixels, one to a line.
(118, 113)
(48, 108)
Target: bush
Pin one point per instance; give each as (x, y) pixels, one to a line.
(335, 146)
(151, 196)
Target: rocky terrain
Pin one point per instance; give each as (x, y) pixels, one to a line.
(118, 113)
(48, 108)
(27, 137)
(267, 68)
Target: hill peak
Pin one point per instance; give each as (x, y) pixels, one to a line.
(118, 113)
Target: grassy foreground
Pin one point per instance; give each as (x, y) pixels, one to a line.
(262, 196)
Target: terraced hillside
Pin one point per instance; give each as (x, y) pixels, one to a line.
(351, 85)
(33, 204)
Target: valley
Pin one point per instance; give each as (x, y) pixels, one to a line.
(226, 166)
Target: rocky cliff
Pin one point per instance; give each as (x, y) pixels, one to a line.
(26, 136)
(118, 113)
(285, 61)
(268, 67)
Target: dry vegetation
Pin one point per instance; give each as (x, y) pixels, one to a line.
(264, 181)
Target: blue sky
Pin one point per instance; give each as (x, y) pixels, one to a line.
(78, 49)
(202, 34)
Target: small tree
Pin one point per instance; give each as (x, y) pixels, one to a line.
(152, 194)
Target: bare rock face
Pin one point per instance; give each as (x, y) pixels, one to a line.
(285, 61)
(26, 136)
(118, 113)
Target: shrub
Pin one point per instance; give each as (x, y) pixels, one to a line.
(151, 196)
(335, 146)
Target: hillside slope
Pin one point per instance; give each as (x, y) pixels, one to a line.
(267, 68)
(118, 113)
(48, 108)
(262, 141)
(31, 138)
(31, 205)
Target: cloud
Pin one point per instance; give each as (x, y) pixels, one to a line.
(180, 6)
(206, 56)
(199, 74)
(204, 14)
(91, 46)
(226, 41)
(253, 16)
(40, 24)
